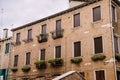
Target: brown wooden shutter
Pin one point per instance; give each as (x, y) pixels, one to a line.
(29, 34)
(77, 20)
(28, 58)
(17, 37)
(100, 75)
(96, 13)
(77, 49)
(116, 44)
(15, 60)
(43, 29)
(42, 54)
(113, 13)
(58, 51)
(98, 45)
(58, 25)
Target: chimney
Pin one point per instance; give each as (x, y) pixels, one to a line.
(5, 33)
(73, 3)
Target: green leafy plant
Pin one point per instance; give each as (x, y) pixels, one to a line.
(117, 57)
(14, 69)
(41, 64)
(98, 57)
(56, 62)
(26, 68)
(76, 60)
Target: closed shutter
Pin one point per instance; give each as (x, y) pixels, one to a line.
(113, 13)
(57, 51)
(7, 48)
(42, 54)
(77, 20)
(28, 58)
(43, 29)
(96, 13)
(29, 34)
(77, 49)
(15, 60)
(17, 37)
(100, 75)
(98, 45)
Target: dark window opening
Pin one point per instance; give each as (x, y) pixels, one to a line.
(100, 75)
(113, 13)
(42, 57)
(28, 58)
(77, 20)
(29, 34)
(58, 52)
(116, 44)
(98, 45)
(96, 13)
(15, 60)
(77, 49)
(18, 38)
(7, 48)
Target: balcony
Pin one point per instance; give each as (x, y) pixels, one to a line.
(42, 38)
(57, 34)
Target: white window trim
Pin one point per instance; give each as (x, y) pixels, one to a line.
(73, 48)
(99, 70)
(102, 44)
(55, 50)
(40, 53)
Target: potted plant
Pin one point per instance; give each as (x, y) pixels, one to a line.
(56, 62)
(117, 57)
(14, 69)
(40, 64)
(98, 57)
(76, 60)
(26, 68)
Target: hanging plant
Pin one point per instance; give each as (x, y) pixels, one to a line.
(41, 64)
(26, 68)
(98, 57)
(14, 69)
(76, 60)
(117, 57)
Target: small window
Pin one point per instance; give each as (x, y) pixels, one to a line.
(77, 20)
(43, 29)
(15, 60)
(113, 13)
(42, 57)
(96, 13)
(28, 58)
(100, 75)
(98, 45)
(17, 37)
(29, 34)
(58, 25)
(58, 52)
(116, 44)
(77, 49)
(0, 47)
(7, 48)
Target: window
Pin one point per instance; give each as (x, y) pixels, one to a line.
(15, 60)
(100, 75)
(116, 44)
(77, 20)
(0, 47)
(43, 29)
(58, 27)
(28, 58)
(7, 48)
(118, 75)
(96, 13)
(113, 13)
(42, 57)
(17, 37)
(25, 78)
(57, 51)
(29, 34)
(98, 45)
(77, 49)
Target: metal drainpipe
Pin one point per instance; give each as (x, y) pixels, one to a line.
(112, 35)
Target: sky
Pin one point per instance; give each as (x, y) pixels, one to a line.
(15, 13)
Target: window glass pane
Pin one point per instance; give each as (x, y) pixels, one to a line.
(42, 54)
(57, 51)
(77, 49)
(100, 75)
(77, 20)
(7, 48)
(98, 45)
(96, 14)
(28, 58)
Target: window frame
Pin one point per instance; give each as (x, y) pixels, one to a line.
(41, 53)
(42, 30)
(29, 34)
(27, 59)
(80, 48)
(55, 51)
(6, 52)
(15, 65)
(102, 44)
(100, 70)
(93, 13)
(75, 26)
(117, 42)
(18, 38)
(115, 13)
